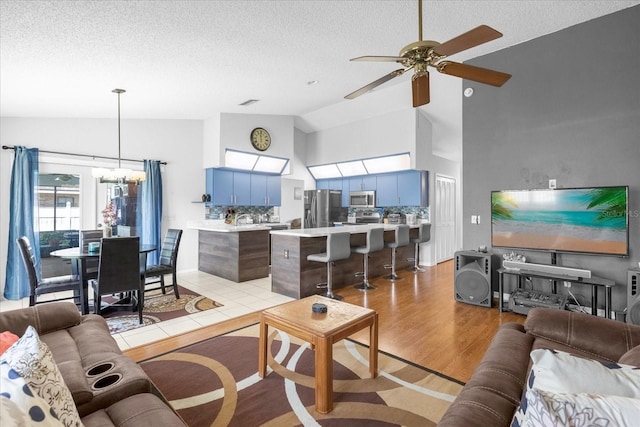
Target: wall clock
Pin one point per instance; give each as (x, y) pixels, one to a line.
(260, 139)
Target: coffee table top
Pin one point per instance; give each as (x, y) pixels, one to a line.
(298, 314)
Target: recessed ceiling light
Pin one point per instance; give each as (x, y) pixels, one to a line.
(313, 82)
(249, 102)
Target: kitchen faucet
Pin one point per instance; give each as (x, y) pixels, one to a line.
(240, 216)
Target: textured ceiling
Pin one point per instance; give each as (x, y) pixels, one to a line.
(195, 59)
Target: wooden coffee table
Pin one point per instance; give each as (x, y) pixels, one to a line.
(321, 331)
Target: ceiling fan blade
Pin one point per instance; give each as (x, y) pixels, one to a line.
(472, 38)
(379, 58)
(477, 74)
(420, 89)
(376, 83)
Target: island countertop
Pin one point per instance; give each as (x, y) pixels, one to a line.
(325, 231)
(220, 226)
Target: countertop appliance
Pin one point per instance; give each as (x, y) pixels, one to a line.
(362, 199)
(322, 208)
(396, 218)
(368, 217)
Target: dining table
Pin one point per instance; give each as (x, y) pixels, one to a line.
(79, 257)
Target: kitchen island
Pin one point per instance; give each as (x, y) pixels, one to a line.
(237, 253)
(292, 275)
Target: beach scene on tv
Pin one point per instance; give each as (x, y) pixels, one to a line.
(592, 220)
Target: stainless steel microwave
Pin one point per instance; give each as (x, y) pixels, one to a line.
(362, 199)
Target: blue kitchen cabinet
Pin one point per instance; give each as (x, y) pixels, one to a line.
(209, 185)
(413, 188)
(387, 190)
(322, 184)
(266, 190)
(361, 183)
(230, 188)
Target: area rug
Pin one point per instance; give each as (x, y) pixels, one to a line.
(159, 307)
(219, 385)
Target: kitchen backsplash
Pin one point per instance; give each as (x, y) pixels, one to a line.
(218, 212)
(422, 213)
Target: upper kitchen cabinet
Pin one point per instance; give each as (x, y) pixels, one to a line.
(406, 188)
(413, 188)
(361, 183)
(341, 184)
(228, 188)
(266, 190)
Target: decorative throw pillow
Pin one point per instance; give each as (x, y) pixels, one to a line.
(7, 339)
(547, 409)
(20, 405)
(559, 372)
(33, 360)
(631, 357)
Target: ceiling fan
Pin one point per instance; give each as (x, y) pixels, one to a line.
(428, 53)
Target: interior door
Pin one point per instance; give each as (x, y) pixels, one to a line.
(445, 218)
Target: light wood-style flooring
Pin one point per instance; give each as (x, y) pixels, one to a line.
(419, 321)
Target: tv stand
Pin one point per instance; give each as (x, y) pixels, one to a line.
(593, 281)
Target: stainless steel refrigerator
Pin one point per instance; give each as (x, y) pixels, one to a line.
(322, 208)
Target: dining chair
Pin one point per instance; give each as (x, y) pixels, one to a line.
(119, 273)
(40, 286)
(166, 264)
(86, 237)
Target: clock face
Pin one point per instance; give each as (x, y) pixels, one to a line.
(260, 139)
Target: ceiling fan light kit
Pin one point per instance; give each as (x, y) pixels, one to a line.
(419, 55)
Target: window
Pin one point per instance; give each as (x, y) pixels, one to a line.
(58, 197)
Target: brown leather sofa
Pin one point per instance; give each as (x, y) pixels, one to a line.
(493, 393)
(108, 388)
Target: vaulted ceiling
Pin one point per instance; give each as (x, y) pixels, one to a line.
(195, 59)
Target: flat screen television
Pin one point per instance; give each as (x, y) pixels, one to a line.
(584, 220)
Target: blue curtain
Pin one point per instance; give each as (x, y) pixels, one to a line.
(149, 212)
(22, 209)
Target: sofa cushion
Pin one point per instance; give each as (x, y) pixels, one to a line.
(45, 318)
(493, 393)
(631, 357)
(140, 410)
(74, 349)
(33, 360)
(600, 338)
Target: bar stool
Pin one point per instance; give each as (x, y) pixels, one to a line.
(424, 235)
(338, 247)
(375, 242)
(401, 239)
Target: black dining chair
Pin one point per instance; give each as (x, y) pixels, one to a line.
(119, 273)
(166, 264)
(40, 286)
(86, 237)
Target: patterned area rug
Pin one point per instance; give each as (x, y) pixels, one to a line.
(159, 307)
(219, 385)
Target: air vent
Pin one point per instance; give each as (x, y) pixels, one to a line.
(249, 102)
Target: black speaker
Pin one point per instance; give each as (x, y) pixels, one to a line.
(473, 278)
(633, 297)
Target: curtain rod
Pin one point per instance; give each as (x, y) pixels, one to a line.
(9, 147)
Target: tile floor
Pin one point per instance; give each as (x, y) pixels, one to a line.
(237, 299)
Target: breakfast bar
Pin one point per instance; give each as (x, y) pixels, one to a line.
(294, 276)
(238, 253)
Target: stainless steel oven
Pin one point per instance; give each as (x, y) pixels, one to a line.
(362, 199)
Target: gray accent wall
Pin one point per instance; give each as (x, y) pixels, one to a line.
(571, 112)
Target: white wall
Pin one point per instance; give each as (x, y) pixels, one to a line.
(377, 136)
(233, 131)
(178, 142)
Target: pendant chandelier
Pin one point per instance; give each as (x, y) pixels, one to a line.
(118, 175)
